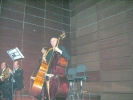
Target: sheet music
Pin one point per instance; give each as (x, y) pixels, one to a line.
(15, 54)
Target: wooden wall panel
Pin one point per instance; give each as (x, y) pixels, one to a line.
(53, 24)
(84, 22)
(83, 6)
(93, 66)
(117, 63)
(12, 24)
(117, 96)
(92, 87)
(132, 48)
(33, 28)
(54, 17)
(110, 11)
(117, 75)
(86, 30)
(34, 20)
(8, 44)
(73, 51)
(114, 41)
(113, 31)
(93, 76)
(120, 51)
(11, 34)
(131, 36)
(19, 7)
(129, 14)
(29, 37)
(12, 14)
(94, 56)
(91, 47)
(54, 9)
(130, 23)
(73, 21)
(73, 43)
(73, 60)
(73, 35)
(33, 11)
(106, 4)
(89, 12)
(89, 38)
(111, 21)
(74, 4)
(117, 87)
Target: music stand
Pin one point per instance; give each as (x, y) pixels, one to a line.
(14, 54)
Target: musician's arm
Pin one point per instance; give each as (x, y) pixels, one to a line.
(65, 53)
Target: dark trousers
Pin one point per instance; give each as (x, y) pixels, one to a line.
(45, 92)
(6, 89)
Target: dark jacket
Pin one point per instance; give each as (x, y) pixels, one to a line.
(18, 77)
(64, 53)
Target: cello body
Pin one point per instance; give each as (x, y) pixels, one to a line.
(59, 85)
(39, 80)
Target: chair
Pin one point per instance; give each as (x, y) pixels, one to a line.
(71, 76)
(81, 74)
(71, 73)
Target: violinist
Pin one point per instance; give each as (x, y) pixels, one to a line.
(5, 82)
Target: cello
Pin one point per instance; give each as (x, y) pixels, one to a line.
(59, 85)
(39, 80)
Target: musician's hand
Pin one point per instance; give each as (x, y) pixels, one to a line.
(44, 58)
(33, 78)
(58, 50)
(49, 75)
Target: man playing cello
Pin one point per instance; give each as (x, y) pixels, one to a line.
(47, 55)
(60, 50)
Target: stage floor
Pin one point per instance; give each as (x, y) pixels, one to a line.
(30, 98)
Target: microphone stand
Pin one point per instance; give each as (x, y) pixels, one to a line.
(12, 81)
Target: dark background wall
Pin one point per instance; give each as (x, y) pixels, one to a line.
(99, 34)
(102, 39)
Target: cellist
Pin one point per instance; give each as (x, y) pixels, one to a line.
(47, 56)
(43, 57)
(60, 49)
